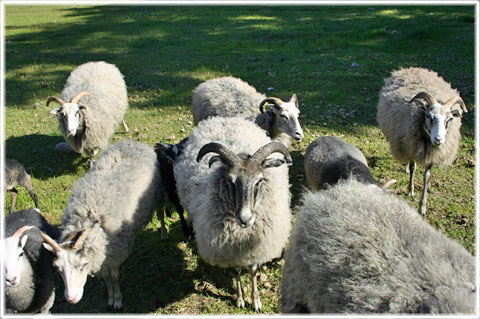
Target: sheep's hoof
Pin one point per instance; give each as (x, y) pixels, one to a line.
(423, 211)
(118, 304)
(163, 234)
(410, 193)
(63, 147)
(257, 304)
(240, 302)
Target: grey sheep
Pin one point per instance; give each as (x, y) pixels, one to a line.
(232, 97)
(420, 115)
(28, 271)
(357, 249)
(236, 191)
(93, 103)
(329, 160)
(115, 199)
(15, 174)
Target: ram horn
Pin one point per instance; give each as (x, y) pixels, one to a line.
(226, 154)
(81, 239)
(425, 96)
(51, 242)
(56, 99)
(273, 147)
(78, 96)
(21, 230)
(273, 100)
(456, 100)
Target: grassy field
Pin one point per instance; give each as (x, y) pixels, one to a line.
(333, 57)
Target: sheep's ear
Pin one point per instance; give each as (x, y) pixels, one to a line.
(456, 113)
(83, 108)
(295, 100)
(48, 247)
(55, 111)
(273, 162)
(23, 241)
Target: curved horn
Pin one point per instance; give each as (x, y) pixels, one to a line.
(456, 100)
(425, 96)
(50, 241)
(274, 100)
(56, 99)
(21, 230)
(273, 147)
(226, 154)
(78, 96)
(81, 239)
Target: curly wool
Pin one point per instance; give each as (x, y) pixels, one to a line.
(402, 122)
(204, 193)
(121, 191)
(106, 105)
(356, 249)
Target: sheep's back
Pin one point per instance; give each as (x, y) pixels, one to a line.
(402, 122)
(107, 103)
(219, 239)
(226, 97)
(357, 249)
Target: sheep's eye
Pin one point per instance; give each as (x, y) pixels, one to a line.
(20, 255)
(283, 116)
(257, 186)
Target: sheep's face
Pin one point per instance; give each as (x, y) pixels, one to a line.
(437, 120)
(286, 118)
(70, 115)
(14, 261)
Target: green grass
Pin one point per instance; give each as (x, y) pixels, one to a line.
(165, 52)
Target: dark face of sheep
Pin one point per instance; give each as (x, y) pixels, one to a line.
(244, 175)
(15, 259)
(71, 260)
(438, 116)
(286, 115)
(70, 114)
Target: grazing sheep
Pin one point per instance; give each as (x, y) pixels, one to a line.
(329, 160)
(15, 174)
(166, 154)
(232, 97)
(98, 101)
(28, 271)
(236, 195)
(115, 199)
(420, 115)
(356, 249)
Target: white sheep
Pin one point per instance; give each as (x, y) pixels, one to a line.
(420, 115)
(232, 97)
(28, 271)
(115, 199)
(93, 102)
(356, 249)
(15, 174)
(232, 182)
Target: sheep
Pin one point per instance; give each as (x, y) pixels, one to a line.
(29, 275)
(98, 101)
(232, 97)
(166, 155)
(357, 249)
(115, 199)
(15, 174)
(420, 115)
(238, 200)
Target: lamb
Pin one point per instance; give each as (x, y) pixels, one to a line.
(115, 199)
(232, 97)
(166, 155)
(15, 174)
(420, 115)
(356, 249)
(238, 199)
(98, 101)
(29, 275)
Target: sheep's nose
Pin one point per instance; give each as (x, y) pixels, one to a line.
(245, 218)
(71, 132)
(438, 140)
(298, 136)
(11, 281)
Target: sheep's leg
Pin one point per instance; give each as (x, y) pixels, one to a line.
(14, 193)
(125, 125)
(91, 155)
(115, 274)
(187, 231)
(411, 167)
(423, 202)
(108, 281)
(28, 185)
(240, 292)
(255, 295)
(49, 304)
(163, 229)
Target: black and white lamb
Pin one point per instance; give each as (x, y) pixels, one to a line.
(356, 249)
(420, 115)
(28, 271)
(115, 199)
(232, 97)
(236, 191)
(329, 160)
(15, 174)
(93, 103)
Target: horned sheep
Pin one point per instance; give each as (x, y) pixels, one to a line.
(115, 199)
(15, 174)
(356, 249)
(93, 102)
(236, 191)
(420, 115)
(29, 274)
(232, 97)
